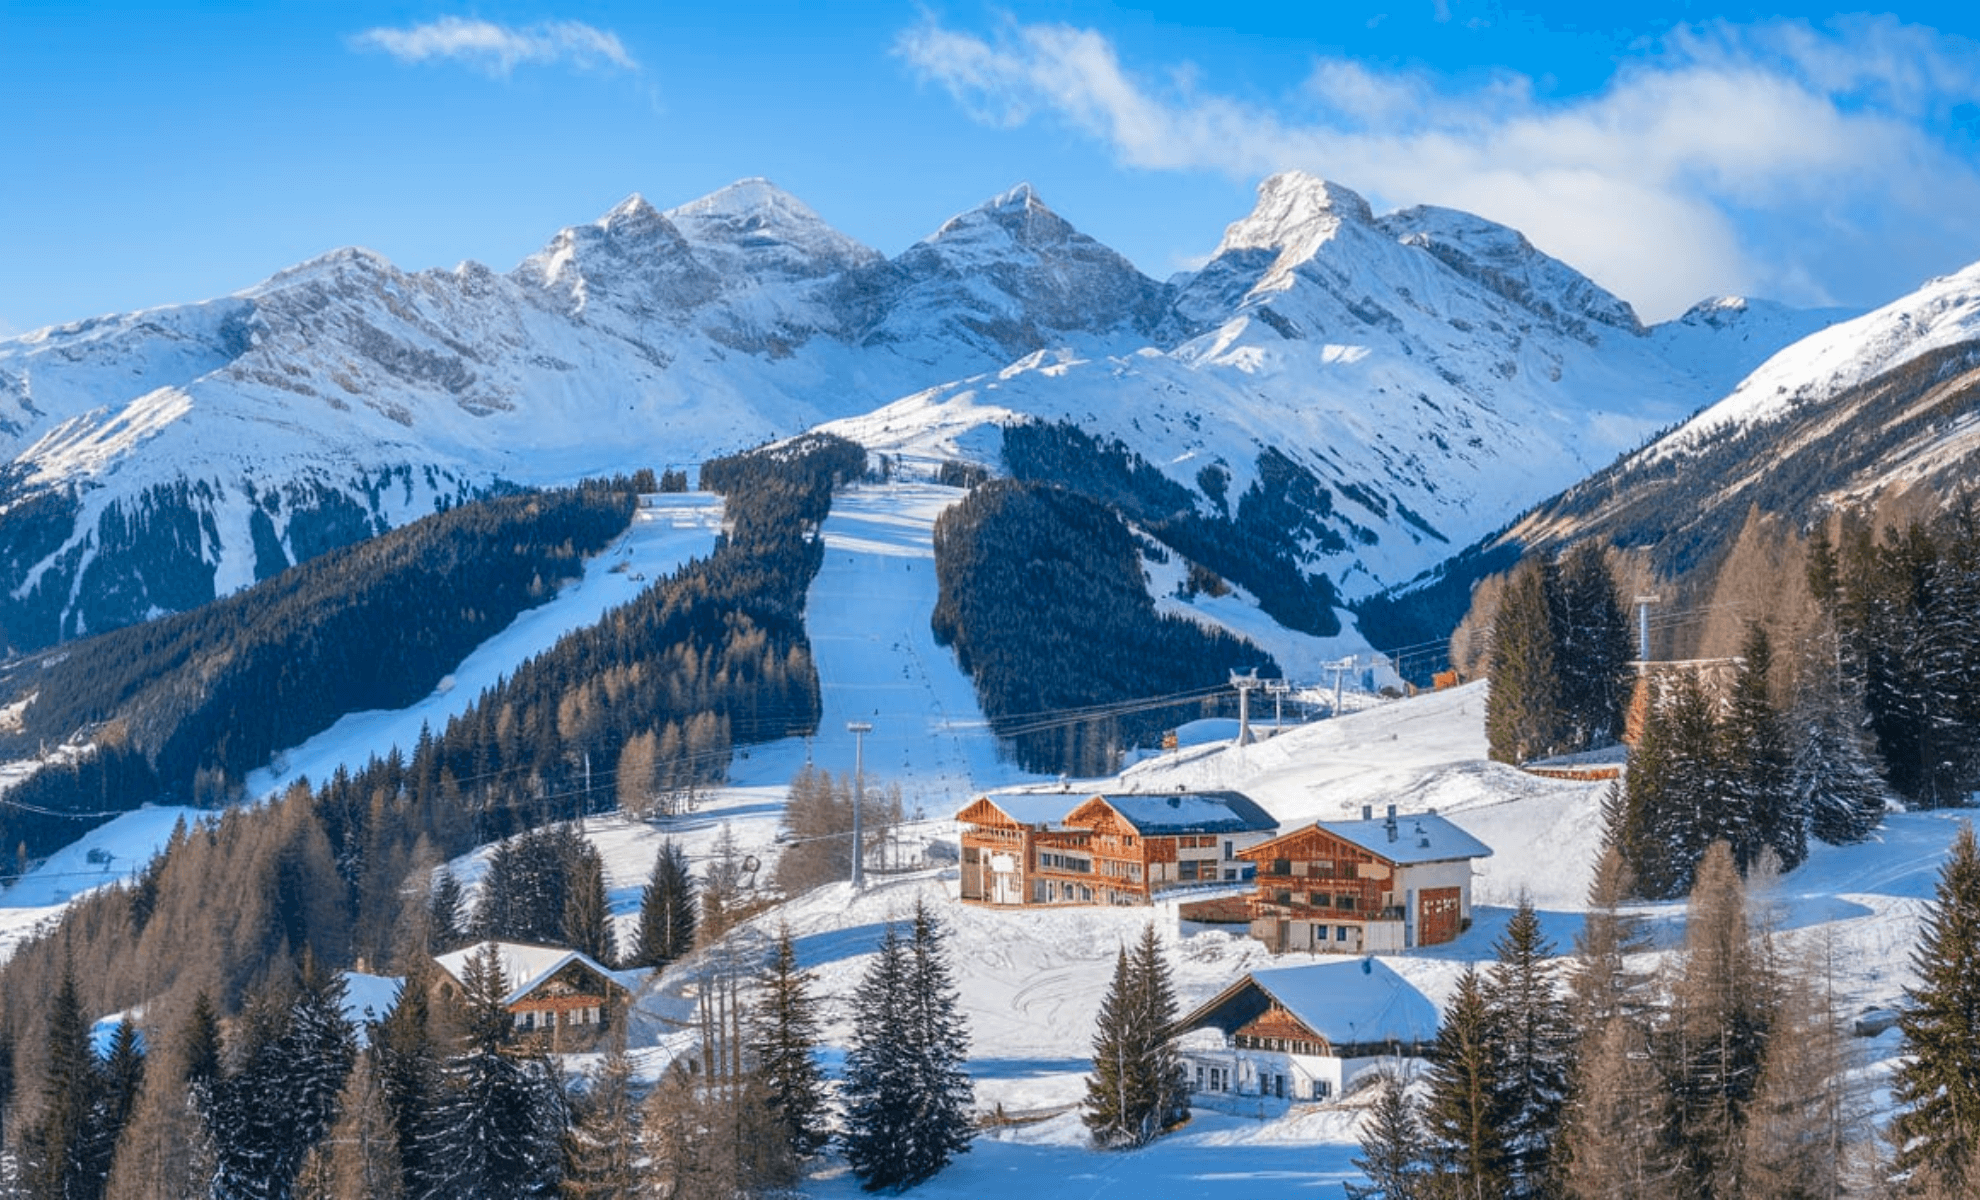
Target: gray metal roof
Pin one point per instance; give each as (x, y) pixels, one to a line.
(1419, 838)
(1158, 814)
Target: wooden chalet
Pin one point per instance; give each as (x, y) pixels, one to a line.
(560, 995)
(1364, 887)
(1300, 1034)
(1055, 848)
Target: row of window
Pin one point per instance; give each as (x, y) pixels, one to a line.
(1270, 1083)
(532, 1019)
(1048, 861)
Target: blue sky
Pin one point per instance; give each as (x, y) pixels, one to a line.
(1671, 151)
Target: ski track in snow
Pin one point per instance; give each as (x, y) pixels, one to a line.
(1031, 980)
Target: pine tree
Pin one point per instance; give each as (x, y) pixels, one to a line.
(1392, 1142)
(123, 1079)
(906, 1093)
(1465, 1116)
(1523, 715)
(1536, 1041)
(1759, 763)
(666, 910)
(587, 911)
(1831, 768)
(497, 1122)
(280, 1097)
(784, 1033)
(406, 1070)
(1137, 1088)
(1937, 1087)
(1593, 648)
(446, 914)
(57, 1149)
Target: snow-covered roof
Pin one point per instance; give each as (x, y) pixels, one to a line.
(1192, 812)
(523, 966)
(1352, 1002)
(1036, 808)
(1419, 838)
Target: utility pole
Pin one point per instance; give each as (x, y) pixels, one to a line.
(1340, 670)
(859, 730)
(1245, 685)
(1643, 604)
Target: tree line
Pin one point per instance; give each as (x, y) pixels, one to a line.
(1726, 1076)
(183, 707)
(1043, 599)
(1258, 544)
(231, 899)
(440, 1098)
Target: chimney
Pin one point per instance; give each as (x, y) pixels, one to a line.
(1368, 812)
(1390, 824)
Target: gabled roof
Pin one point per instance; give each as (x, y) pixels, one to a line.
(1191, 812)
(1419, 838)
(1350, 1003)
(524, 967)
(1031, 808)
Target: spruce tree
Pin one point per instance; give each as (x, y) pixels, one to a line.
(1523, 714)
(1831, 768)
(1136, 1089)
(1536, 1040)
(406, 1067)
(1937, 1087)
(905, 1091)
(1759, 763)
(587, 910)
(667, 910)
(784, 1033)
(1392, 1143)
(497, 1122)
(447, 922)
(1592, 648)
(1465, 1116)
(280, 1096)
(57, 1150)
(123, 1079)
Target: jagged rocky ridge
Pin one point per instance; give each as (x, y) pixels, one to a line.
(1428, 373)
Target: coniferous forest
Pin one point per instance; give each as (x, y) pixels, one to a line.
(231, 937)
(181, 708)
(1042, 598)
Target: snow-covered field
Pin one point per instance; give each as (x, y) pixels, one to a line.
(1031, 981)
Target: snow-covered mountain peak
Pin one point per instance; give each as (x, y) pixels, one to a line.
(1017, 219)
(758, 223)
(1945, 312)
(1501, 259)
(1295, 212)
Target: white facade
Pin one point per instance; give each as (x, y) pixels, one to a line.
(1248, 1082)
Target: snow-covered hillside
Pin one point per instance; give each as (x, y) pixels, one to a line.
(1432, 370)
(1030, 981)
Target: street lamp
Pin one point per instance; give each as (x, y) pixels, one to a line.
(859, 730)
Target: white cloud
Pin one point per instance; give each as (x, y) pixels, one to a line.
(499, 49)
(1777, 159)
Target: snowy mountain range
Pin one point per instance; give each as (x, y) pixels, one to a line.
(1424, 375)
(1887, 401)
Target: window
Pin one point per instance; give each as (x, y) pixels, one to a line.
(1340, 934)
(1230, 848)
(1186, 870)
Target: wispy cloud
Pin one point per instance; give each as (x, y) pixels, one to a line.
(500, 49)
(1783, 158)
